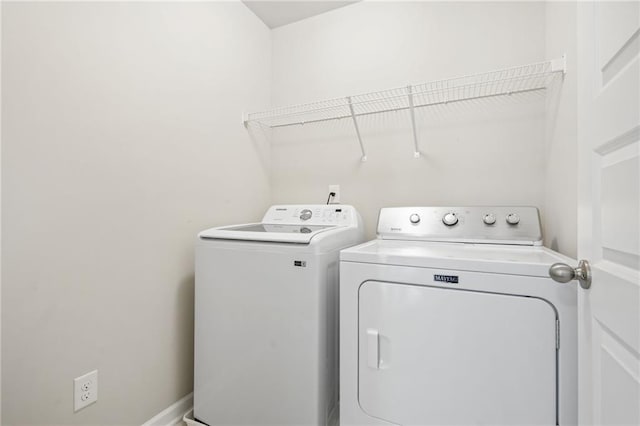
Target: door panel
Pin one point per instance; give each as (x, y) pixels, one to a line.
(618, 390)
(618, 41)
(609, 211)
(433, 356)
(620, 179)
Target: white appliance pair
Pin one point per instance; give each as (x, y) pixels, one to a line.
(449, 317)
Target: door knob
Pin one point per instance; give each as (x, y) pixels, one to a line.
(563, 273)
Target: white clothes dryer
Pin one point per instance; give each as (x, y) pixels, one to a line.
(449, 317)
(266, 317)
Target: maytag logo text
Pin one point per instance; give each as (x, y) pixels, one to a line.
(451, 279)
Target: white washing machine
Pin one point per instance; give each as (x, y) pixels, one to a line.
(449, 317)
(266, 317)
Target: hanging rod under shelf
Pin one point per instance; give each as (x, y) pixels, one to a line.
(520, 79)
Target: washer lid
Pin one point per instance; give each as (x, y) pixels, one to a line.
(501, 259)
(297, 234)
(290, 223)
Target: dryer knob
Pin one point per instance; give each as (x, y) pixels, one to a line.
(450, 219)
(489, 218)
(414, 218)
(513, 219)
(305, 214)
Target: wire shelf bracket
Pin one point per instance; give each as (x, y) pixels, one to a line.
(524, 78)
(416, 152)
(355, 124)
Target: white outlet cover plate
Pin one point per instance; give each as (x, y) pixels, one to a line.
(85, 390)
(336, 189)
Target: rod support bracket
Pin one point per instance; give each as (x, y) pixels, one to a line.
(559, 64)
(416, 152)
(355, 125)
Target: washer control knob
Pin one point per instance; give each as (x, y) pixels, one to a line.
(489, 218)
(450, 219)
(305, 214)
(513, 219)
(414, 218)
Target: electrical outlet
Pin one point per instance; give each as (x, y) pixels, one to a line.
(336, 198)
(85, 390)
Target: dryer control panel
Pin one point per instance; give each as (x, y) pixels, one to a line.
(489, 225)
(314, 214)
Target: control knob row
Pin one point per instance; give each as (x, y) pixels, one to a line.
(490, 219)
(451, 219)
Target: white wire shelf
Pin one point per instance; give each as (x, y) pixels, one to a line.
(525, 78)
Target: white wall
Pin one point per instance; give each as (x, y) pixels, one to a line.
(486, 152)
(121, 139)
(561, 209)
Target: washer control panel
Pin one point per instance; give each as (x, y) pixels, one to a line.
(319, 214)
(490, 225)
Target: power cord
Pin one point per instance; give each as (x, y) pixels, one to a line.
(331, 195)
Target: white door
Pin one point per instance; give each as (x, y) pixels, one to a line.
(434, 356)
(609, 212)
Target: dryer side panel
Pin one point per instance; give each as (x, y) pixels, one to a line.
(437, 356)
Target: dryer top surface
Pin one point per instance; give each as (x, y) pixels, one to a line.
(492, 258)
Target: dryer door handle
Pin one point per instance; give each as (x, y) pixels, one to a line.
(373, 348)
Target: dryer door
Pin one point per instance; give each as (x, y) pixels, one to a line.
(436, 356)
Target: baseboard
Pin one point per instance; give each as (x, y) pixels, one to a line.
(172, 416)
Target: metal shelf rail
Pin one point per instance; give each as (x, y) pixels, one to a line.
(525, 78)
